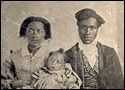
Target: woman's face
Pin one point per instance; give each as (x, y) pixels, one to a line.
(35, 33)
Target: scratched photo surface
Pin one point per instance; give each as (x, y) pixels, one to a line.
(64, 29)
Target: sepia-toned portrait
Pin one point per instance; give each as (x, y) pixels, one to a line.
(62, 44)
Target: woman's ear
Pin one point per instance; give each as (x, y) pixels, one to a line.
(61, 50)
(26, 32)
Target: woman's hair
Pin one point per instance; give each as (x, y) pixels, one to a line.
(28, 20)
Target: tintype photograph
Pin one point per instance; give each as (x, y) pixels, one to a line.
(62, 44)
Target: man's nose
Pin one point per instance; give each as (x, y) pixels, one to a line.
(88, 31)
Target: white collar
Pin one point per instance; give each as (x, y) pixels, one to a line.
(89, 48)
(41, 52)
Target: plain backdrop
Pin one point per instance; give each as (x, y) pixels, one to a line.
(61, 15)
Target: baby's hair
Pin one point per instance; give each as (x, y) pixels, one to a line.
(61, 50)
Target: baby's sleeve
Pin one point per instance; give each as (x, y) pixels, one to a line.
(38, 74)
(72, 76)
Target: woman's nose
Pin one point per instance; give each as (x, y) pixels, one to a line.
(35, 34)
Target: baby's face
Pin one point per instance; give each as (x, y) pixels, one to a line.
(55, 61)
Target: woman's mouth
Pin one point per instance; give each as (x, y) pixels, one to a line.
(35, 41)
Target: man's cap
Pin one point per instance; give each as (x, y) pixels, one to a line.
(88, 13)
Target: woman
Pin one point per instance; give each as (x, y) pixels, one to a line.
(17, 69)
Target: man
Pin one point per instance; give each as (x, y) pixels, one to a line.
(97, 65)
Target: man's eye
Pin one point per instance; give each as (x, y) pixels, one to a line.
(92, 27)
(84, 28)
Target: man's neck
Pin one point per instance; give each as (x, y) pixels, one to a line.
(89, 49)
(91, 45)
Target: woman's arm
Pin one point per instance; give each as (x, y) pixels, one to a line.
(9, 78)
(7, 74)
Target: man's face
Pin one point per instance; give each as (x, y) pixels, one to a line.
(35, 33)
(88, 30)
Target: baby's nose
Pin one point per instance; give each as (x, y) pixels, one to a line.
(54, 63)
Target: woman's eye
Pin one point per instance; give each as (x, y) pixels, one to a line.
(30, 31)
(40, 31)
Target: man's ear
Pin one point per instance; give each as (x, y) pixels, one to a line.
(61, 50)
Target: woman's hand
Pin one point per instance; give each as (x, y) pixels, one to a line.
(19, 83)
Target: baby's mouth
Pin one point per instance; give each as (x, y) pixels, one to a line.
(53, 67)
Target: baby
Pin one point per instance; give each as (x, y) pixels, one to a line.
(56, 74)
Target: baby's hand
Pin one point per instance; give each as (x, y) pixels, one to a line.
(58, 78)
(66, 83)
(72, 79)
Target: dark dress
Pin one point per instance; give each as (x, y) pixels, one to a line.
(110, 73)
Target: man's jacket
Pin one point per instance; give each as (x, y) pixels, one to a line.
(109, 66)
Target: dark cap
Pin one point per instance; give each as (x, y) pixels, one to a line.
(88, 13)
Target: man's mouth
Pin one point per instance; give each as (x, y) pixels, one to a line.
(87, 37)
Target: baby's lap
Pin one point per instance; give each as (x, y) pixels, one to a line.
(49, 83)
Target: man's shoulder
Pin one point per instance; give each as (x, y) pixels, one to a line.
(73, 48)
(104, 48)
(108, 50)
(71, 51)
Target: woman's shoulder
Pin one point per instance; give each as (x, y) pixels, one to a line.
(15, 53)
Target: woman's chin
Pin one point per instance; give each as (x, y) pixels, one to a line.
(35, 44)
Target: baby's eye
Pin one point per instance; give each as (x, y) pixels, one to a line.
(58, 61)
